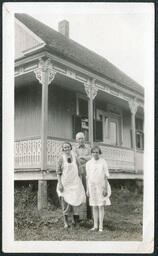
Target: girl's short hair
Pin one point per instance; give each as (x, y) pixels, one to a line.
(96, 147)
(68, 143)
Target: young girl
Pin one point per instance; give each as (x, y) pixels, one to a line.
(98, 188)
(69, 188)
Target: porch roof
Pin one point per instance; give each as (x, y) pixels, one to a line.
(77, 53)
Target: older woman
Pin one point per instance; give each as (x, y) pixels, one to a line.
(69, 188)
(98, 188)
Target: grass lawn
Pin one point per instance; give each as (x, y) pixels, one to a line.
(122, 222)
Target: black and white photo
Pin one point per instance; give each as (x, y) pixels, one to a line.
(78, 79)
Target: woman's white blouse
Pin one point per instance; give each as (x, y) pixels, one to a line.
(96, 170)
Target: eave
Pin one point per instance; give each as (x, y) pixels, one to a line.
(49, 52)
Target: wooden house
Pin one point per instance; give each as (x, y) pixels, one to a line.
(61, 88)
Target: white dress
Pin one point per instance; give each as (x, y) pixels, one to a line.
(74, 193)
(96, 170)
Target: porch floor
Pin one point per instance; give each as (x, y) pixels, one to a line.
(37, 174)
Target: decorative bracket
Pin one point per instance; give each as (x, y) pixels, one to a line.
(91, 89)
(45, 66)
(133, 105)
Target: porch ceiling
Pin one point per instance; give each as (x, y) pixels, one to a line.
(114, 100)
(69, 83)
(26, 78)
(60, 80)
(76, 86)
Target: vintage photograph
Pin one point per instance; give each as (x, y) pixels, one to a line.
(79, 97)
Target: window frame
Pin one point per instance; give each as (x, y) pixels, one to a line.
(110, 117)
(139, 131)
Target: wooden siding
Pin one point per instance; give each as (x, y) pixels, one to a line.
(61, 107)
(126, 130)
(27, 110)
(23, 40)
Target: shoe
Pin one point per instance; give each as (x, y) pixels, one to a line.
(100, 230)
(75, 223)
(93, 229)
(66, 226)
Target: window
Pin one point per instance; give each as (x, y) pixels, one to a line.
(113, 132)
(111, 127)
(139, 124)
(106, 126)
(98, 130)
(80, 120)
(139, 134)
(83, 107)
(139, 140)
(100, 117)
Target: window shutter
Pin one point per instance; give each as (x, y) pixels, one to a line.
(131, 138)
(98, 130)
(76, 125)
(94, 130)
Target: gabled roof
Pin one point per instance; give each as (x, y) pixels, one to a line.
(77, 53)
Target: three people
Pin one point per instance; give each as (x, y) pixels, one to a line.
(71, 190)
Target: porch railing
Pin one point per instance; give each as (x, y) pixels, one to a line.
(139, 160)
(28, 154)
(54, 150)
(118, 158)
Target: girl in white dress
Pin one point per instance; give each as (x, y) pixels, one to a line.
(98, 187)
(69, 188)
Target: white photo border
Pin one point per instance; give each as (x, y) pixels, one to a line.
(9, 245)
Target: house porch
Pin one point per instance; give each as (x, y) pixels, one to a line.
(37, 153)
(28, 160)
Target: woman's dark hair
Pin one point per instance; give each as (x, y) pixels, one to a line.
(96, 147)
(68, 143)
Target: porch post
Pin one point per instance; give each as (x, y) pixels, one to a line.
(133, 107)
(91, 91)
(45, 75)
